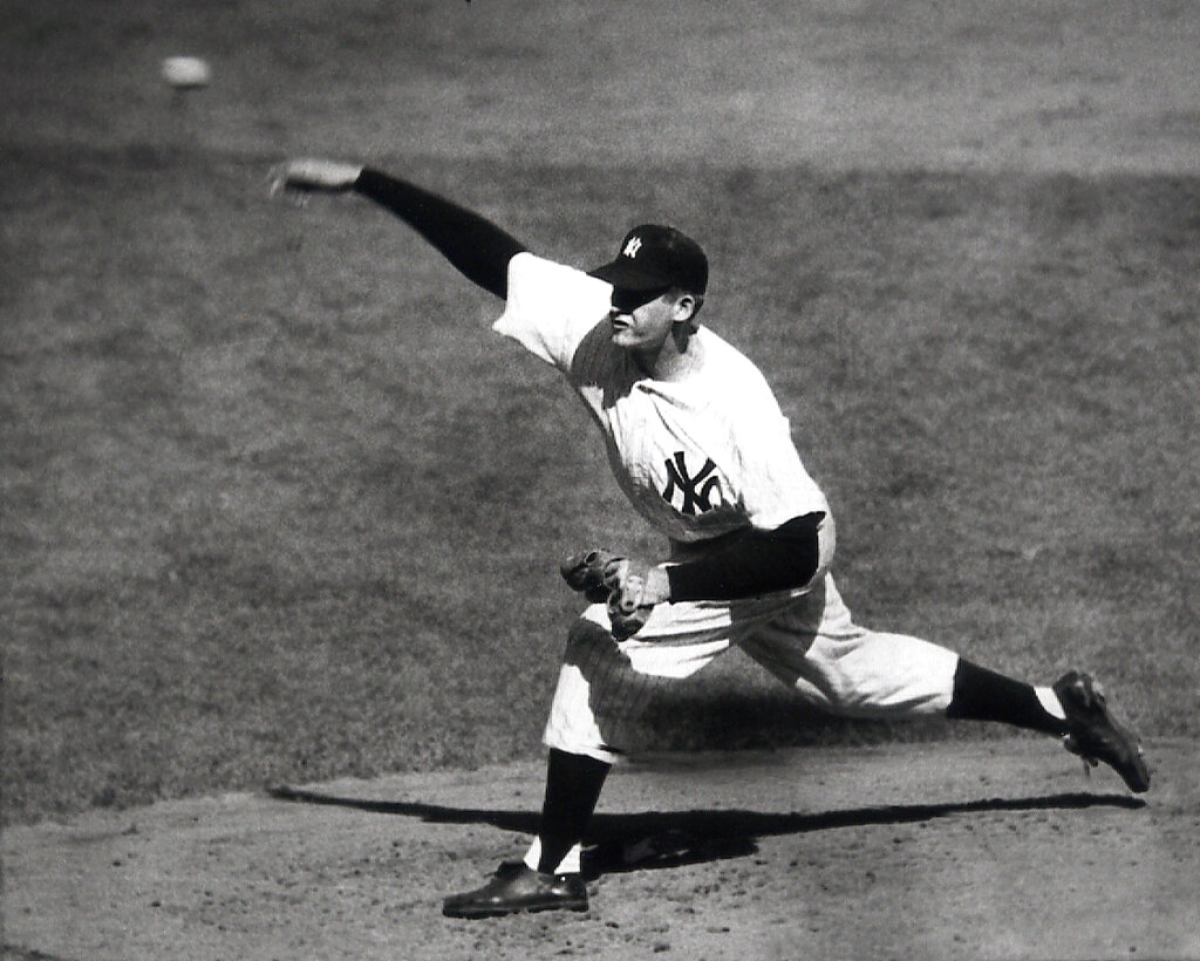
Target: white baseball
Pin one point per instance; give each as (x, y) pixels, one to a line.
(186, 73)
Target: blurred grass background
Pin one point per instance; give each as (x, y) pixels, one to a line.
(277, 506)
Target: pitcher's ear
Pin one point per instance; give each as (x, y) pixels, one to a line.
(686, 307)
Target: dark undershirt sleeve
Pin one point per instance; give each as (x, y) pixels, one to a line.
(752, 563)
(477, 247)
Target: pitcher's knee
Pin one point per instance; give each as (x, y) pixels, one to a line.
(589, 643)
(880, 675)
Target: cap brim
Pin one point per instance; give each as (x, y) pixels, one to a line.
(626, 275)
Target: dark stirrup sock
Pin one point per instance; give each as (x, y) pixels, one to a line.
(983, 695)
(573, 784)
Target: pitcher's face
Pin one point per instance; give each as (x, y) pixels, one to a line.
(643, 320)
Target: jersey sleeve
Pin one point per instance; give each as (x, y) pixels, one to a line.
(551, 307)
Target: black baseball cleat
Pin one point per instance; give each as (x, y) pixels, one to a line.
(516, 887)
(1094, 735)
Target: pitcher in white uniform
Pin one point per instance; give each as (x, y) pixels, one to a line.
(699, 445)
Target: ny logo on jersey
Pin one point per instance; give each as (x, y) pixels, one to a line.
(697, 497)
(631, 248)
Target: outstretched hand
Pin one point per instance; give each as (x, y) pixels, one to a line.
(313, 174)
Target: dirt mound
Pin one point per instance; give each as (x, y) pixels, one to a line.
(935, 851)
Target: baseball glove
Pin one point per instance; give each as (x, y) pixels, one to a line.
(622, 584)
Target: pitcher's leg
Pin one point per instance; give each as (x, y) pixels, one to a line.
(603, 688)
(835, 664)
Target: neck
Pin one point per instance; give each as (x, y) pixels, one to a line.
(673, 359)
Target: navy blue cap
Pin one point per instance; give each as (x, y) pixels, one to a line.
(654, 257)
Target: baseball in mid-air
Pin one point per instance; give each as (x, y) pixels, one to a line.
(186, 73)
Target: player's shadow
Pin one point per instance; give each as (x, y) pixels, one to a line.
(617, 843)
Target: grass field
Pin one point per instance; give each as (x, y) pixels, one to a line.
(275, 504)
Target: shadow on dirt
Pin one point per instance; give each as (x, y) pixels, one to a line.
(665, 839)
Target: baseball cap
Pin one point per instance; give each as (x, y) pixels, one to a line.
(653, 256)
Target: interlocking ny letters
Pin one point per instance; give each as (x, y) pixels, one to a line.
(695, 501)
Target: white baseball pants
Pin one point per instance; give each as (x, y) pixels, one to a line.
(809, 642)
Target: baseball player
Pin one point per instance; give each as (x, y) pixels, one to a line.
(700, 447)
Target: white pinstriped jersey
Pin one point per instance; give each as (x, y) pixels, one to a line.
(699, 457)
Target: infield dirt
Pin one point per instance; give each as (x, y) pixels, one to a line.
(942, 851)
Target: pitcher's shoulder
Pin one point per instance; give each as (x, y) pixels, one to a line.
(732, 372)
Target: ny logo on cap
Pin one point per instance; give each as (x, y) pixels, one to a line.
(631, 248)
